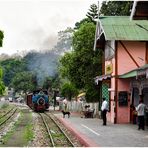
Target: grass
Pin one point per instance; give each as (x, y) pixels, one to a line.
(4, 106)
(9, 133)
(28, 131)
(25, 135)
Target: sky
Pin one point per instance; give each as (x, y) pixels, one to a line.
(34, 24)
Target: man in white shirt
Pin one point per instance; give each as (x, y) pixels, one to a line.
(104, 109)
(141, 111)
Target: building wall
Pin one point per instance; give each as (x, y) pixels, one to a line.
(111, 114)
(125, 64)
(136, 49)
(123, 112)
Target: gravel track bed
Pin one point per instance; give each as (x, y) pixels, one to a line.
(41, 138)
(74, 139)
(58, 137)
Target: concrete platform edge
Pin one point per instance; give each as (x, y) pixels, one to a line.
(84, 140)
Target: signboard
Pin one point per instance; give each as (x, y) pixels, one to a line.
(109, 69)
(123, 98)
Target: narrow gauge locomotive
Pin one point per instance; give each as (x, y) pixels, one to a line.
(38, 100)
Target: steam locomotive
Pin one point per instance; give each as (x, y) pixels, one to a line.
(38, 100)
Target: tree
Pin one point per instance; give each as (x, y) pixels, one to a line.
(1, 38)
(68, 90)
(83, 21)
(2, 86)
(93, 13)
(11, 67)
(117, 8)
(64, 41)
(83, 64)
(24, 81)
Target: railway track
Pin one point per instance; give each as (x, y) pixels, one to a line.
(58, 137)
(3, 115)
(4, 118)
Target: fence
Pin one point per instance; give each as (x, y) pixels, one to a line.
(75, 106)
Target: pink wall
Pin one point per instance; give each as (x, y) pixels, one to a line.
(123, 113)
(125, 64)
(136, 49)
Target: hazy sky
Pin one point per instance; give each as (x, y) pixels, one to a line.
(34, 24)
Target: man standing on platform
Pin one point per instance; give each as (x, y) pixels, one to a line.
(104, 109)
(141, 111)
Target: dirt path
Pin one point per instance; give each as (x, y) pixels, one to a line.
(17, 138)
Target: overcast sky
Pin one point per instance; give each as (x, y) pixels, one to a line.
(34, 24)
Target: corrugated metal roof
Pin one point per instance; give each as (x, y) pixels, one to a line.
(122, 28)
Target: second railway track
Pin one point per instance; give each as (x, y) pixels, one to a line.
(57, 136)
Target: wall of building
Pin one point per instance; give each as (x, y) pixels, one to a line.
(111, 114)
(136, 49)
(123, 112)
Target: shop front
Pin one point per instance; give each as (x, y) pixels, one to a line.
(138, 86)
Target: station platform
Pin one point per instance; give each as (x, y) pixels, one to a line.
(92, 133)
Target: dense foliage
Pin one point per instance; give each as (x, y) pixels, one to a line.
(83, 64)
(1, 38)
(2, 86)
(11, 67)
(24, 81)
(117, 8)
(69, 90)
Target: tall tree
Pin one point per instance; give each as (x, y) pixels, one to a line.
(93, 13)
(116, 8)
(81, 66)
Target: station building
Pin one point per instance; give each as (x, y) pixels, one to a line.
(124, 41)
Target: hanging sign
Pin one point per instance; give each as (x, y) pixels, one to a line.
(109, 69)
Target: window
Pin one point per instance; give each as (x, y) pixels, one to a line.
(109, 50)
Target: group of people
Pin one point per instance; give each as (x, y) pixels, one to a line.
(140, 109)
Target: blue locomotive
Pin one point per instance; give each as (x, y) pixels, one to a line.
(38, 100)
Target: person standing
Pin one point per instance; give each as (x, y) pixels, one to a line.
(104, 109)
(65, 102)
(141, 110)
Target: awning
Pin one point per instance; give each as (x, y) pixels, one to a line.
(143, 70)
(101, 78)
(129, 74)
(82, 94)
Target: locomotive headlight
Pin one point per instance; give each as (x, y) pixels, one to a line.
(41, 101)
